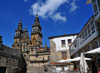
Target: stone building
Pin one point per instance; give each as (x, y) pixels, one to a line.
(59, 49)
(35, 55)
(11, 61)
(89, 38)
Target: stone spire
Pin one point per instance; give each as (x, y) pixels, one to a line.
(25, 33)
(36, 14)
(36, 28)
(19, 30)
(36, 22)
(25, 30)
(20, 26)
(20, 22)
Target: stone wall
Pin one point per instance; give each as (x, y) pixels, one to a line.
(56, 55)
(12, 60)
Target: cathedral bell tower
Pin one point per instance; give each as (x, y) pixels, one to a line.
(17, 37)
(36, 35)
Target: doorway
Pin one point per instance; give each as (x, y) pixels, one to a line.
(94, 68)
(2, 69)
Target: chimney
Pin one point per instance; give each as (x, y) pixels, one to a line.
(0, 40)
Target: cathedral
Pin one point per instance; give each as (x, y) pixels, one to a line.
(35, 55)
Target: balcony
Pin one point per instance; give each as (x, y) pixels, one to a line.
(87, 34)
(80, 45)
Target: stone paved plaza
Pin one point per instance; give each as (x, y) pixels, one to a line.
(56, 72)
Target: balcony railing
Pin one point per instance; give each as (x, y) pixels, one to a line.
(87, 34)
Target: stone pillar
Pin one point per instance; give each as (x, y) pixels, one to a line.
(0, 40)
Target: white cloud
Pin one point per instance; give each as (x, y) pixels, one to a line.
(58, 16)
(25, 0)
(48, 9)
(74, 6)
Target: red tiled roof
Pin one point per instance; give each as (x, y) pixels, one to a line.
(58, 63)
(64, 59)
(63, 35)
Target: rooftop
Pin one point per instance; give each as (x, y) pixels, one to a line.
(65, 35)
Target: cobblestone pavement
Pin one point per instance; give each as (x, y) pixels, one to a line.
(55, 72)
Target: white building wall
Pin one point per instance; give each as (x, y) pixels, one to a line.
(58, 42)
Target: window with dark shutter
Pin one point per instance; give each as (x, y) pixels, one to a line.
(63, 43)
(69, 41)
(64, 55)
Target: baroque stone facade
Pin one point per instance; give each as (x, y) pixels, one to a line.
(34, 54)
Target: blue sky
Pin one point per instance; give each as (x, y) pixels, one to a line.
(56, 17)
